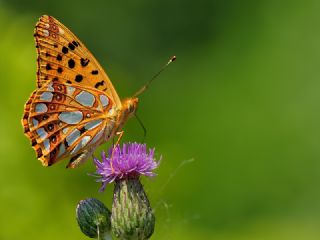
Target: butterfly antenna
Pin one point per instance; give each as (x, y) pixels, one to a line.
(146, 86)
(143, 127)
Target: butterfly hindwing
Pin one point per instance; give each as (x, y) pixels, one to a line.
(64, 119)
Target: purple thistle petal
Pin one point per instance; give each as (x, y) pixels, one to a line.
(130, 161)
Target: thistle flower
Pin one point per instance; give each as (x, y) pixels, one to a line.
(129, 162)
(131, 215)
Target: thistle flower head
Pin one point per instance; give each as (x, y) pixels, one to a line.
(132, 160)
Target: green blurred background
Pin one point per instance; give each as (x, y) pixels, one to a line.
(242, 100)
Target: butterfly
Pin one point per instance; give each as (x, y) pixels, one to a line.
(75, 107)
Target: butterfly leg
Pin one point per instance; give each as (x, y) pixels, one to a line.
(120, 134)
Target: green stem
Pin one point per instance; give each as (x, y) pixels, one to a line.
(104, 236)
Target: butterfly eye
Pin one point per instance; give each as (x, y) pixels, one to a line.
(132, 105)
(131, 108)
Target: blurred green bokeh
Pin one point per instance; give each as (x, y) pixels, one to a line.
(242, 100)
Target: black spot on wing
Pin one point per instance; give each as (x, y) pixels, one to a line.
(39, 152)
(33, 142)
(79, 78)
(84, 62)
(50, 127)
(52, 156)
(82, 130)
(71, 46)
(53, 139)
(66, 143)
(71, 63)
(98, 84)
(65, 50)
(44, 117)
(75, 43)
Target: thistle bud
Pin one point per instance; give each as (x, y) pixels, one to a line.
(93, 218)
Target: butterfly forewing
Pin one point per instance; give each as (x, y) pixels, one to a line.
(62, 56)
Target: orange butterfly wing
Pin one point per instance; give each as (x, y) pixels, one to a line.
(75, 105)
(62, 55)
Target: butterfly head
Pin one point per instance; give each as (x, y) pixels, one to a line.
(130, 106)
